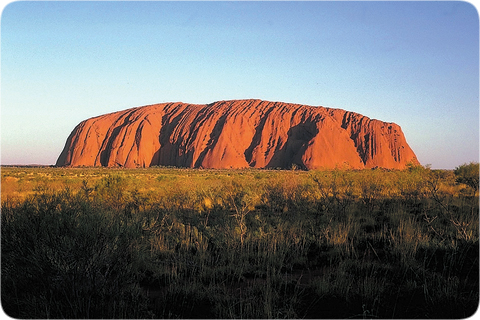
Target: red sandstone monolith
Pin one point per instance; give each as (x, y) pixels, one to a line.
(237, 134)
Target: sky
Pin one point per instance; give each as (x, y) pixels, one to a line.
(414, 63)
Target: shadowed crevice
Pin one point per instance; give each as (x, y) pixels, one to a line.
(106, 148)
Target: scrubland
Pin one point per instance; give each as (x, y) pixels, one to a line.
(184, 243)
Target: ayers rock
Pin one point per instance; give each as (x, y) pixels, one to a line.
(236, 134)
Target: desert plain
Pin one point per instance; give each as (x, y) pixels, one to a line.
(164, 242)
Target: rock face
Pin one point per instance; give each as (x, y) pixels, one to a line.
(236, 134)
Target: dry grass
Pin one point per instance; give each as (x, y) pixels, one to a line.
(164, 242)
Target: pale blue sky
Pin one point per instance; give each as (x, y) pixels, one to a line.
(412, 63)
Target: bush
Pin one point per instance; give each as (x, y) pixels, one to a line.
(468, 174)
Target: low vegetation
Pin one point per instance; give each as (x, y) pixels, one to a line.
(182, 243)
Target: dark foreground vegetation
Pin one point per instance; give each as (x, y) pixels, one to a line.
(172, 243)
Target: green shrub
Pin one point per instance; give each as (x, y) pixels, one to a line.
(468, 174)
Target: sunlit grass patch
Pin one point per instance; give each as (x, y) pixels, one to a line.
(238, 243)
